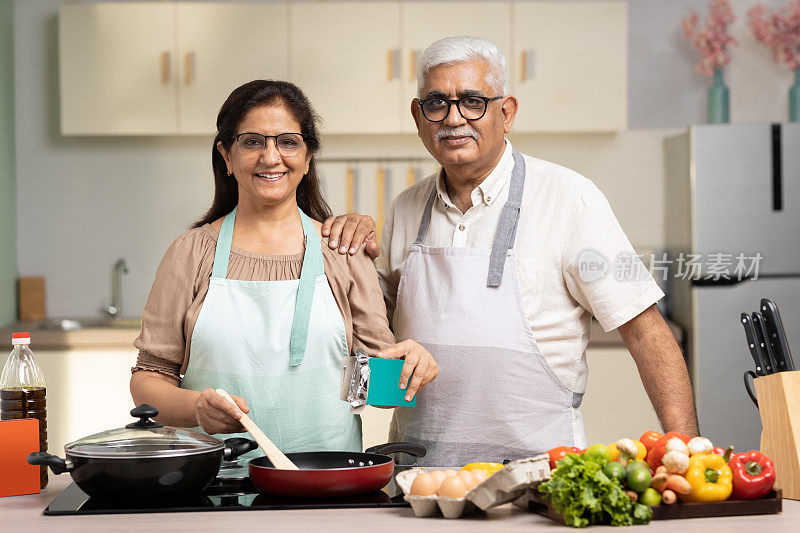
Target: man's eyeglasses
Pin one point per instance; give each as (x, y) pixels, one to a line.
(288, 144)
(471, 107)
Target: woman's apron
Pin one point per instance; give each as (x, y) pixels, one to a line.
(279, 345)
(496, 397)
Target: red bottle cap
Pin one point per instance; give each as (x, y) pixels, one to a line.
(21, 338)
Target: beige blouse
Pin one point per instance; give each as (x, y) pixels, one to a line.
(182, 281)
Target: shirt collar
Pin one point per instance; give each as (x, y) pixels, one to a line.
(490, 187)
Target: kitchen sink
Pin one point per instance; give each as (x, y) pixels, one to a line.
(70, 324)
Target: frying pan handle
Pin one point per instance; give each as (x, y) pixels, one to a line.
(56, 464)
(405, 447)
(237, 446)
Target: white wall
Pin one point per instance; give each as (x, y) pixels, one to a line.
(84, 202)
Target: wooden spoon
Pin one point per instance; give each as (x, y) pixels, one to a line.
(273, 453)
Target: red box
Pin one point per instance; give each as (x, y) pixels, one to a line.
(18, 438)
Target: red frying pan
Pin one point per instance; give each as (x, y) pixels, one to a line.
(326, 474)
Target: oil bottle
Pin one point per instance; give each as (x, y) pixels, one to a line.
(23, 390)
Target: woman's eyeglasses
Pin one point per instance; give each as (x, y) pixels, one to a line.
(288, 144)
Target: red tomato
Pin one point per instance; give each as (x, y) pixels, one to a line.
(649, 438)
(559, 452)
(657, 452)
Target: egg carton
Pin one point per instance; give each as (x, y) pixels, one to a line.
(511, 482)
(430, 505)
(503, 486)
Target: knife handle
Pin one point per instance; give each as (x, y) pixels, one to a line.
(763, 340)
(752, 343)
(777, 335)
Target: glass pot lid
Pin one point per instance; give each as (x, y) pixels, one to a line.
(143, 439)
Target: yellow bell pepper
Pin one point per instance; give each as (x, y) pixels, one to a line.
(641, 449)
(489, 468)
(710, 477)
(612, 448)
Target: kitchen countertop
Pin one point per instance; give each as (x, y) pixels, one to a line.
(121, 337)
(78, 339)
(24, 513)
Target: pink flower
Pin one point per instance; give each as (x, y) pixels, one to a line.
(779, 30)
(712, 40)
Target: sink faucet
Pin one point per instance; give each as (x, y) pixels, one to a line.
(115, 309)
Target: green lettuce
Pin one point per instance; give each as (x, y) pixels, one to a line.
(580, 491)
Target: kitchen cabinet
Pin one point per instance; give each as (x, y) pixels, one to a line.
(138, 68)
(346, 58)
(572, 64)
(426, 22)
(162, 69)
(116, 65)
(220, 47)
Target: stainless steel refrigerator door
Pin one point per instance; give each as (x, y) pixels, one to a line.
(734, 201)
(720, 355)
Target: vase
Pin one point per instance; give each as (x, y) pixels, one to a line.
(718, 100)
(794, 98)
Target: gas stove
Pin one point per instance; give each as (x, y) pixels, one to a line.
(230, 491)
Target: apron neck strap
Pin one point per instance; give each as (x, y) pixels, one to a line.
(507, 227)
(425, 224)
(312, 268)
(223, 251)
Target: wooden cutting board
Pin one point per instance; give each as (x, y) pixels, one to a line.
(771, 504)
(30, 292)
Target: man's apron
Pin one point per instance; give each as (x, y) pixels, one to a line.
(279, 345)
(496, 397)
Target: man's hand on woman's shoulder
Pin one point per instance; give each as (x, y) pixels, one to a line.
(348, 232)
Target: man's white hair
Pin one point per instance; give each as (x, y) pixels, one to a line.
(461, 49)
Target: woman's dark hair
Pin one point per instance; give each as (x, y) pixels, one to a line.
(254, 94)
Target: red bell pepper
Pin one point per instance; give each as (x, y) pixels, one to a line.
(725, 453)
(657, 452)
(560, 452)
(753, 475)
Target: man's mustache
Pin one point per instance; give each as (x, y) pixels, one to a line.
(458, 131)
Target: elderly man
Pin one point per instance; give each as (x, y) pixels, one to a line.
(480, 263)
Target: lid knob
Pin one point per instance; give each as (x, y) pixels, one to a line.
(144, 413)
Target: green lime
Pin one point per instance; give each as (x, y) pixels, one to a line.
(637, 463)
(638, 479)
(650, 497)
(615, 470)
(598, 450)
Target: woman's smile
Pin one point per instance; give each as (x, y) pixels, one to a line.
(269, 177)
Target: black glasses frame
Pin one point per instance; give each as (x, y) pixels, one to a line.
(236, 137)
(457, 102)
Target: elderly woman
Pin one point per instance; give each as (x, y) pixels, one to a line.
(252, 300)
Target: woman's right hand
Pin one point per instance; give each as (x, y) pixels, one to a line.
(215, 414)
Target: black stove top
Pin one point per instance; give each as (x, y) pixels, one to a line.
(231, 491)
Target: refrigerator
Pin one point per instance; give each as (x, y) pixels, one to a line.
(731, 190)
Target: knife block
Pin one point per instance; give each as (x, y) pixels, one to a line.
(779, 406)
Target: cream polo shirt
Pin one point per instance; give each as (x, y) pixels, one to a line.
(566, 232)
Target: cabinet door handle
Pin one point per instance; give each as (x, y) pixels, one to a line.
(165, 67)
(412, 65)
(188, 68)
(526, 67)
(392, 63)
